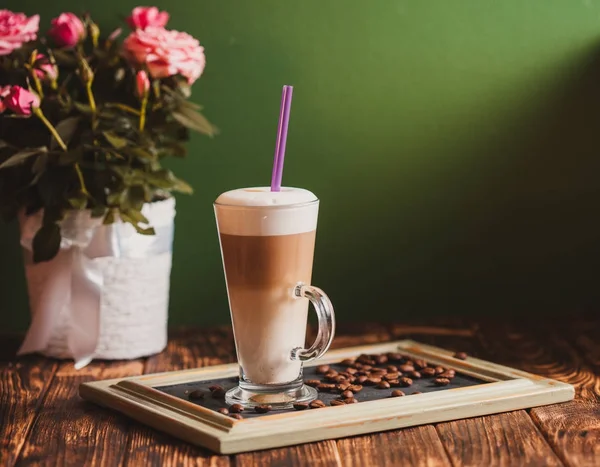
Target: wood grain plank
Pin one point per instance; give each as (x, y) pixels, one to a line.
(70, 431)
(417, 446)
(187, 348)
(497, 440)
(23, 386)
(321, 454)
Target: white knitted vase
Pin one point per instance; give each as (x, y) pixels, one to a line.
(133, 298)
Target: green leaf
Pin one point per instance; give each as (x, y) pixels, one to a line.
(182, 186)
(83, 108)
(135, 197)
(64, 57)
(22, 156)
(175, 149)
(114, 140)
(71, 156)
(98, 211)
(38, 168)
(110, 217)
(66, 129)
(193, 120)
(79, 202)
(140, 153)
(134, 215)
(46, 243)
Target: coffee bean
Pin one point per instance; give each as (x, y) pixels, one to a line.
(331, 376)
(355, 388)
(236, 408)
(335, 402)
(223, 411)
(365, 360)
(301, 405)
(322, 369)
(196, 394)
(395, 356)
(414, 374)
(392, 376)
(218, 393)
(405, 368)
(347, 362)
(362, 379)
(350, 400)
(366, 368)
(420, 364)
(378, 371)
(317, 404)
(372, 381)
(351, 379)
(427, 372)
(439, 370)
(331, 372)
(441, 381)
(416, 392)
(461, 355)
(312, 382)
(263, 408)
(405, 382)
(392, 369)
(325, 387)
(358, 365)
(346, 394)
(342, 387)
(448, 374)
(394, 382)
(351, 371)
(237, 416)
(381, 359)
(214, 387)
(383, 385)
(397, 393)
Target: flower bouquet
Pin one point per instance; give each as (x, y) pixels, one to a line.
(85, 123)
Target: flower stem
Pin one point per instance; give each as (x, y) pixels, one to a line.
(81, 180)
(143, 112)
(88, 87)
(39, 114)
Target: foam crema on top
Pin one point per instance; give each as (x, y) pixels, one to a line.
(264, 218)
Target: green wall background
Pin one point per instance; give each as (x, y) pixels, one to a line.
(454, 146)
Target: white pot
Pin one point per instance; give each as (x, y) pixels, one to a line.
(106, 293)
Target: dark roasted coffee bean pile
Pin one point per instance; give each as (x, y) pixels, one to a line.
(382, 371)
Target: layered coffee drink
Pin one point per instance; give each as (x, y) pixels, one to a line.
(267, 242)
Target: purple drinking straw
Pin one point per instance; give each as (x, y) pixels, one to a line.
(282, 128)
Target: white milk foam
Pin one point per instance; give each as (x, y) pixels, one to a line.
(271, 213)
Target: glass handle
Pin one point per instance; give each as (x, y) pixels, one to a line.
(324, 309)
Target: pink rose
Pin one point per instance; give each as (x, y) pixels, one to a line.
(16, 29)
(142, 83)
(67, 30)
(44, 69)
(166, 53)
(20, 100)
(143, 16)
(4, 91)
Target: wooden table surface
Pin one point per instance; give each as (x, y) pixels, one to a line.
(44, 422)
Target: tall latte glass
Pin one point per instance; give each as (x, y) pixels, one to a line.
(267, 243)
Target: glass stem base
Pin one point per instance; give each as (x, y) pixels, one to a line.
(278, 397)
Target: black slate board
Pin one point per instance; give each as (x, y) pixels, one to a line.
(369, 393)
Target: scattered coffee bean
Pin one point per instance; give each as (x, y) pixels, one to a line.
(325, 387)
(346, 394)
(428, 372)
(394, 382)
(441, 381)
(358, 365)
(347, 362)
(355, 388)
(218, 393)
(397, 393)
(342, 387)
(461, 355)
(237, 416)
(196, 394)
(350, 400)
(312, 382)
(236, 408)
(414, 374)
(366, 368)
(405, 368)
(263, 408)
(331, 376)
(381, 359)
(362, 379)
(335, 402)
(372, 381)
(322, 369)
(351, 379)
(223, 411)
(392, 369)
(408, 361)
(383, 385)
(392, 376)
(405, 382)
(439, 370)
(395, 356)
(214, 387)
(317, 404)
(448, 374)
(301, 405)
(351, 371)
(420, 364)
